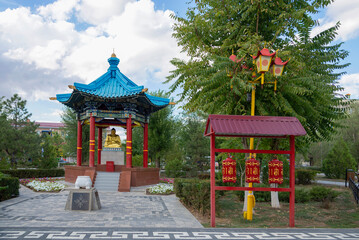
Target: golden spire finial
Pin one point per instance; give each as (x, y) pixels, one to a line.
(113, 53)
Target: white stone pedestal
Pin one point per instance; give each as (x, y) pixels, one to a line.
(113, 154)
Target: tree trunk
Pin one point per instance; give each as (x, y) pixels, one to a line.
(274, 196)
(158, 163)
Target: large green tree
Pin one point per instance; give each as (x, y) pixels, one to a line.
(307, 90)
(18, 139)
(160, 132)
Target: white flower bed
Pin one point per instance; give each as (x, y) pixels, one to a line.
(46, 186)
(162, 188)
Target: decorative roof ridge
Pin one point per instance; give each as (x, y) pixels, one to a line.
(154, 99)
(106, 77)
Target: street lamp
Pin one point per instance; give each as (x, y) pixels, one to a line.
(263, 62)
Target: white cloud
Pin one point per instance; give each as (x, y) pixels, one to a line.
(350, 82)
(59, 10)
(97, 12)
(42, 52)
(345, 11)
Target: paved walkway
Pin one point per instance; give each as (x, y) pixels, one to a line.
(132, 209)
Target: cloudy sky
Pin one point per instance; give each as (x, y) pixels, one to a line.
(46, 45)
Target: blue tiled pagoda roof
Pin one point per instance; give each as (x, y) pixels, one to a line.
(113, 85)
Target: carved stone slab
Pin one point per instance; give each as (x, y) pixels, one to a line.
(83, 200)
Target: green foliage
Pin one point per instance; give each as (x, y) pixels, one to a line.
(350, 133)
(34, 173)
(174, 168)
(315, 194)
(70, 129)
(137, 161)
(307, 89)
(18, 140)
(320, 194)
(305, 176)
(337, 160)
(195, 145)
(49, 155)
(194, 193)
(9, 187)
(4, 163)
(160, 132)
(301, 196)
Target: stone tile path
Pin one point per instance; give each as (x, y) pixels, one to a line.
(133, 209)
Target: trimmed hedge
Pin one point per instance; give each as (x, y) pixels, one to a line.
(9, 187)
(194, 193)
(315, 194)
(305, 176)
(34, 173)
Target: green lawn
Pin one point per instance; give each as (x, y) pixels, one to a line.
(342, 213)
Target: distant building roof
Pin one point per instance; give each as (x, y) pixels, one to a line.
(254, 126)
(50, 125)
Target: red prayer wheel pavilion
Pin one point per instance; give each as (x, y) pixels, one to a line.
(112, 100)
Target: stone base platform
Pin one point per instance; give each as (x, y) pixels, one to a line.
(130, 177)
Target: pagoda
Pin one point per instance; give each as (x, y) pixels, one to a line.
(112, 100)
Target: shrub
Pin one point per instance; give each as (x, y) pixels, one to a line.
(337, 160)
(34, 173)
(4, 163)
(301, 196)
(320, 194)
(174, 168)
(305, 176)
(194, 193)
(9, 187)
(137, 161)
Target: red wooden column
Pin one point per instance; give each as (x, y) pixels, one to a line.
(99, 145)
(145, 146)
(92, 142)
(292, 182)
(213, 183)
(79, 142)
(129, 143)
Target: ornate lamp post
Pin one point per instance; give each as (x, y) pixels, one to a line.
(263, 62)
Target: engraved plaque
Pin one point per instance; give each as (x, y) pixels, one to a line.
(81, 201)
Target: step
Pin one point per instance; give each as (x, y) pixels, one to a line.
(107, 181)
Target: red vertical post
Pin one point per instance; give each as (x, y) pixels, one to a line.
(292, 182)
(213, 192)
(92, 142)
(79, 142)
(129, 143)
(99, 145)
(145, 146)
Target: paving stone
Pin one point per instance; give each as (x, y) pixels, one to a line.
(133, 209)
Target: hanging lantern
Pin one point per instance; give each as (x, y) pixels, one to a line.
(278, 67)
(229, 173)
(263, 60)
(252, 171)
(275, 171)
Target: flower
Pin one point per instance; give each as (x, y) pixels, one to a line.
(162, 188)
(46, 186)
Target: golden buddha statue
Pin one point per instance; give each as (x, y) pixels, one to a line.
(113, 140)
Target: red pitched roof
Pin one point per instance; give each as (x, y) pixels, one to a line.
(254, 126)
